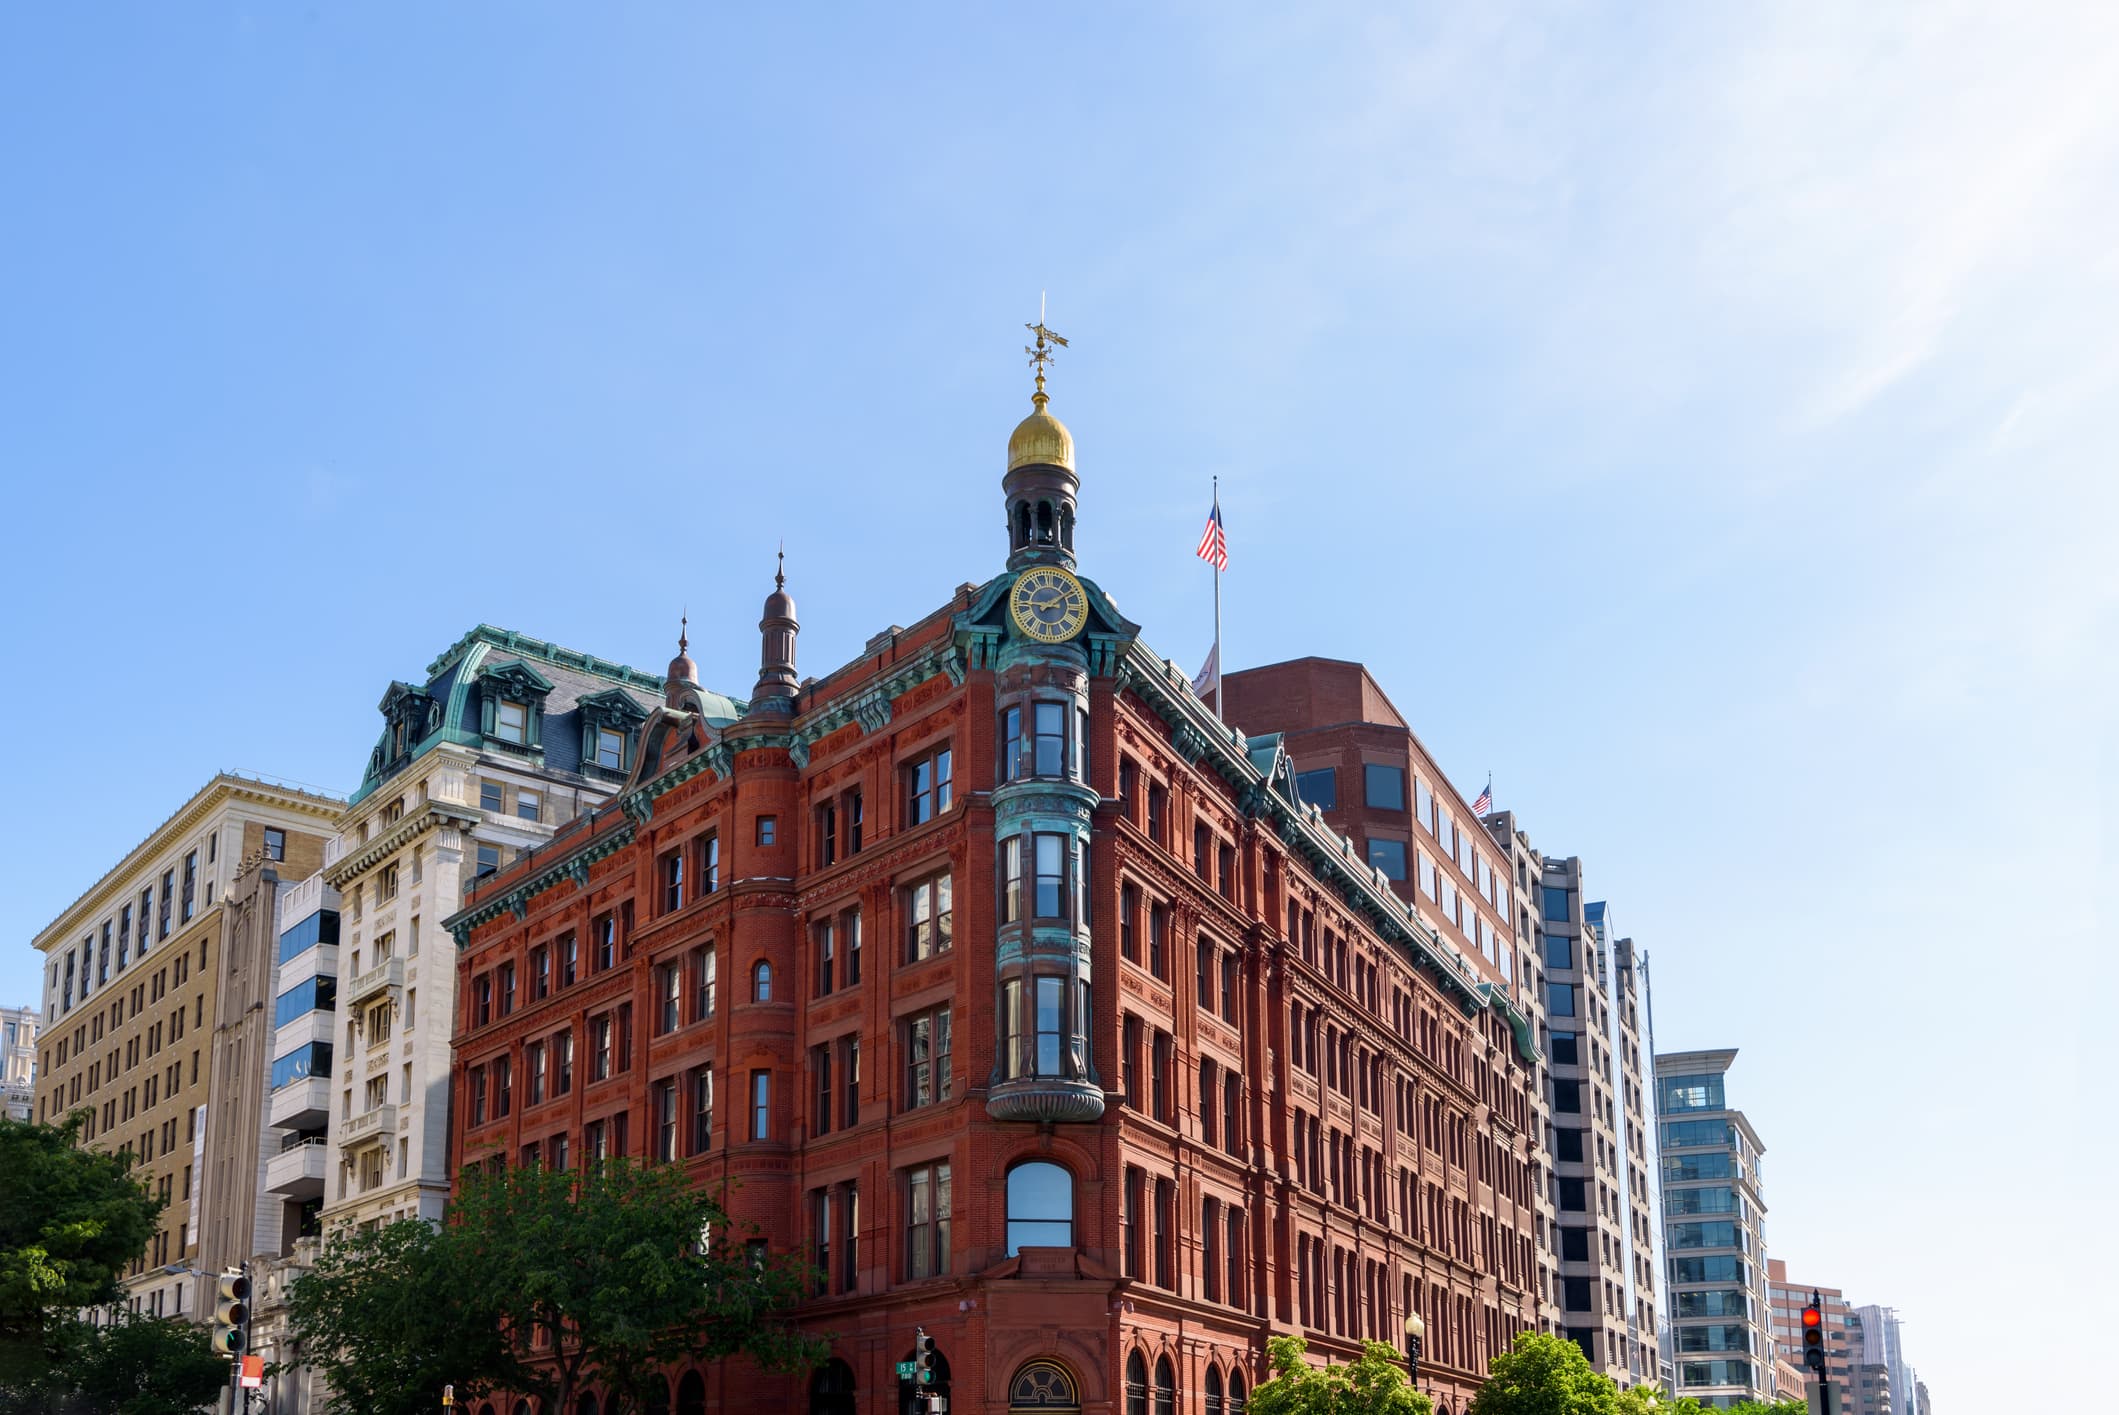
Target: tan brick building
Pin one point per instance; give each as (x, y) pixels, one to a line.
(132, 994)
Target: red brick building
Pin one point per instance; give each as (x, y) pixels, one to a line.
(1028, 1000)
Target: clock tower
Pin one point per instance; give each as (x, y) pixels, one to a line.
(1043, 1068)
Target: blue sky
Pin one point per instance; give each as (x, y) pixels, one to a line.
(1700, 419)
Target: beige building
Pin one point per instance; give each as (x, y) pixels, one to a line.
(507, 739)
(132, 993)
(18, 1062)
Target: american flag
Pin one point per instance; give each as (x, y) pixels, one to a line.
(1485, 802)
(1213, 545)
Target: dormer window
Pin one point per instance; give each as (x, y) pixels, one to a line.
(610, 749)
(610, 731)
(511, 705)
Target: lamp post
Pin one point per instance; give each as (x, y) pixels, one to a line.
(1414, 1330)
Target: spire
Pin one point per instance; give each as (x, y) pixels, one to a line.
(1040, 485)
(777, 684)
(683, 672)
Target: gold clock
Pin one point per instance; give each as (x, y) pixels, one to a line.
(1048, 604)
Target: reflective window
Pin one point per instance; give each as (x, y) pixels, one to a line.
(1556, 904)
(1040, 1207)
(1559, 951)
(1389, 857)
(1560, 999)
(1675, 1094)
(1383, 786)
(1318, 788)
(311, 1060)
(317, 994)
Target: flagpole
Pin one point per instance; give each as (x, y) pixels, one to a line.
(1218, 712)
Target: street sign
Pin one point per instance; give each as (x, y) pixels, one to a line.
(253, 1371)
(904, 1370)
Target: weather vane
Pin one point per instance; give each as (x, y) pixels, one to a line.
(1041, 352)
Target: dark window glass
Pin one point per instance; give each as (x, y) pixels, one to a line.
(1389, 857)
(1319, 787)
(1383, 786)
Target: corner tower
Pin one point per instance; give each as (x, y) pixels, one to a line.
(1043, 1068)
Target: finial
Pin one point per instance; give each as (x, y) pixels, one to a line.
(684, 624)
(780, 570)
(1041, 353)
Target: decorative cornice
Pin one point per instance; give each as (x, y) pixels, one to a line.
(515, 900)
(215, 794)
(426, 817)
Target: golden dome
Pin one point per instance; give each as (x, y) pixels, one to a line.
(1040, 440)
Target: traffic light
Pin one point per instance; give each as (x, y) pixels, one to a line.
(923, 1358)
(1814, 1334)
(231, 1313)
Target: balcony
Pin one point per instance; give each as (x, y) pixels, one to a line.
(368, 1127)
(1046, 1100)
(297, 1172)
(390, 973)
(301, 1105)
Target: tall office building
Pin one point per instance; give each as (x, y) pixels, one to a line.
(133, 997)
(1884, 1384)
(1713, 1216)
(18, 1062)
(1600, 1141)
(504, 741)
(1357, 759)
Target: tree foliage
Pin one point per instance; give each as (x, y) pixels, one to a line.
(545, 1283)
(1376, 1384)
(131, 1364)
(70, 1219)
(1547, 1375)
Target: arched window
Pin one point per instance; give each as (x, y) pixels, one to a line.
(691, 1394)
(761, 982)
(831, 1389)
(1040, 1207)
(1236, 1392)
(1165, 1388)
(1213, 1386)
(1042, 1385)
(1136, 1385)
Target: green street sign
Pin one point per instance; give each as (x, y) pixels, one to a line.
(904, 1370)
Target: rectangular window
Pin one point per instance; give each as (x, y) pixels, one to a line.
(761, 1105)
(569, 960)
(1560, 999)
(489, 797)
(1383, 786)
(610, 749)
(1012, 879)
(275, 844)
(826, 834)
(666, 1120)
(1050, 894)
(1159, 940)
(928, 921)
(710, 862)
(533, 1071)
(927, 786)
(1555, 905)
(600, 1034)
(1318, 788)
(1009, 746)
(768, 829)
(672, 877)
(704, 969)
(511, 723)
(850, 948)
(488, 860)
(1129, 922)
(540, 973)
(821, 1092)
(1049, 743)
(606, 936)
(927, 1058)
(1159, 1077)
(506, 988)
(1389, 857)
(529, 805)
(927, 1221)
(702, 1108)
(1559, 951)
(823, 958)
(669, 997)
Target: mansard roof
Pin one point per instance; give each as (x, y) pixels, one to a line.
(447, 706)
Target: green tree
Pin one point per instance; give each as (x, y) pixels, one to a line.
(1547, 1375)
(1760, 1407)
(131, 1364)
(383, 1318)
(1375, 1384)
(542, 1283)
(70, 1219)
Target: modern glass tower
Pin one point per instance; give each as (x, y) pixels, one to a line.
(1713, 1217)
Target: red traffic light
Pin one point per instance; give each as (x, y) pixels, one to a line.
(1812, 1317)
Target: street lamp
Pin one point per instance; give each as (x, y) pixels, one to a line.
(1414, 1330)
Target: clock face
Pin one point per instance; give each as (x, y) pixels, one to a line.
(1048, 605)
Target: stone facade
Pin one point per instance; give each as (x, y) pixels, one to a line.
(18, 1061)
(133, 995)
